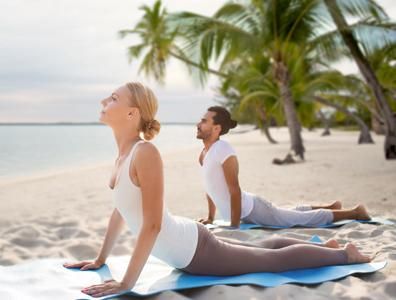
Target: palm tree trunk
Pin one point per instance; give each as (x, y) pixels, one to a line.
(267, 133)
(365, 136)
(282, 77)
(370, 77)
(197, 65)
(377, 123)
(326, 124)
(264, 124)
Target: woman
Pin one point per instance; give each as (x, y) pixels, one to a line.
(137, 181)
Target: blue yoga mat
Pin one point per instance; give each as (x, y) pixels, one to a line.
(245, 226)
(47, 279)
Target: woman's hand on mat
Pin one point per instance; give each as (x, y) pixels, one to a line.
(205, 221)
(85, 265)
(106, 288)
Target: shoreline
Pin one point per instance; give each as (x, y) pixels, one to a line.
(58, 170)
(243, 130)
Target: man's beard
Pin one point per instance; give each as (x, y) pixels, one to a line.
(200, 135)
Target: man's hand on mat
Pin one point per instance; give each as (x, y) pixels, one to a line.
(106, 288)
(230, 227)
(206, 221)
(85, 265)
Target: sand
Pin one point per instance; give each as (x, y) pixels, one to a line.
(65, 214)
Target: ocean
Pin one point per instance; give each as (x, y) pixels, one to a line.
(29, 150)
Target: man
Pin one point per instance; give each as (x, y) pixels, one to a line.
(220, 171)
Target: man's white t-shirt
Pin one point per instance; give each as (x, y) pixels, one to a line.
(215, 183)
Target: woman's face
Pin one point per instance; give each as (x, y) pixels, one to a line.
(116, 108)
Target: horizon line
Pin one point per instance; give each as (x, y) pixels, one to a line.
(77, 123)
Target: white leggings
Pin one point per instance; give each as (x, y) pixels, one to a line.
(264, 213)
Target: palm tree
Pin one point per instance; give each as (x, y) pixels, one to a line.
(333, 89)
(275, 28)
(279, 30)
(365, 136)
(328, 88)
(253, 110)
(158, 41)
(382, 62)
(364, 66)
(251, 94)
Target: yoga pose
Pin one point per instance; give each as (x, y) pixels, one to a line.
(137, 183)
(220, 171)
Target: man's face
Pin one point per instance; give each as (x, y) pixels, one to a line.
(206, 128)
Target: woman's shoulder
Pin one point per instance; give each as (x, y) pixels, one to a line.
(147, 151)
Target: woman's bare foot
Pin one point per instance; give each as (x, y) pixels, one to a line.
(361, 212)
(354, 256)
(332, 243)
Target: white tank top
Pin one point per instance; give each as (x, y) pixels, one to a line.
(215, 184)
(177, 241)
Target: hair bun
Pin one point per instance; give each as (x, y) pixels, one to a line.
(233, 123)
(151, 129)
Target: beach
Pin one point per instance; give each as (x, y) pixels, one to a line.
(65, 214)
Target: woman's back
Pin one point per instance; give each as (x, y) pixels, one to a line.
(177, 240)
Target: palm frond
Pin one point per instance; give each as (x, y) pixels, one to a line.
(362, 9)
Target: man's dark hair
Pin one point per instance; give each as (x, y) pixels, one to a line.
(222, 118)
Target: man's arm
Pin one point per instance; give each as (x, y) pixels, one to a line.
(211, 208)
(212, 212)
(231, 170)
(211, 205)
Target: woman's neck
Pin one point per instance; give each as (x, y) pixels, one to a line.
(125, 140)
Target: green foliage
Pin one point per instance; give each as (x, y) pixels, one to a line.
(247, 39)
(156, 40)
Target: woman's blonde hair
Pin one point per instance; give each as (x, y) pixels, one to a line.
(144, 99)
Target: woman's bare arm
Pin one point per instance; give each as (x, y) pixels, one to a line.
(114, 228)
(148, 165)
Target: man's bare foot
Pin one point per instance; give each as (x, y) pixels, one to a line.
(332, 243)
(335, 205)
(361, 212)
(354, 256)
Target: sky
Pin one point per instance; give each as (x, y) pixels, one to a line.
(58, 59)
